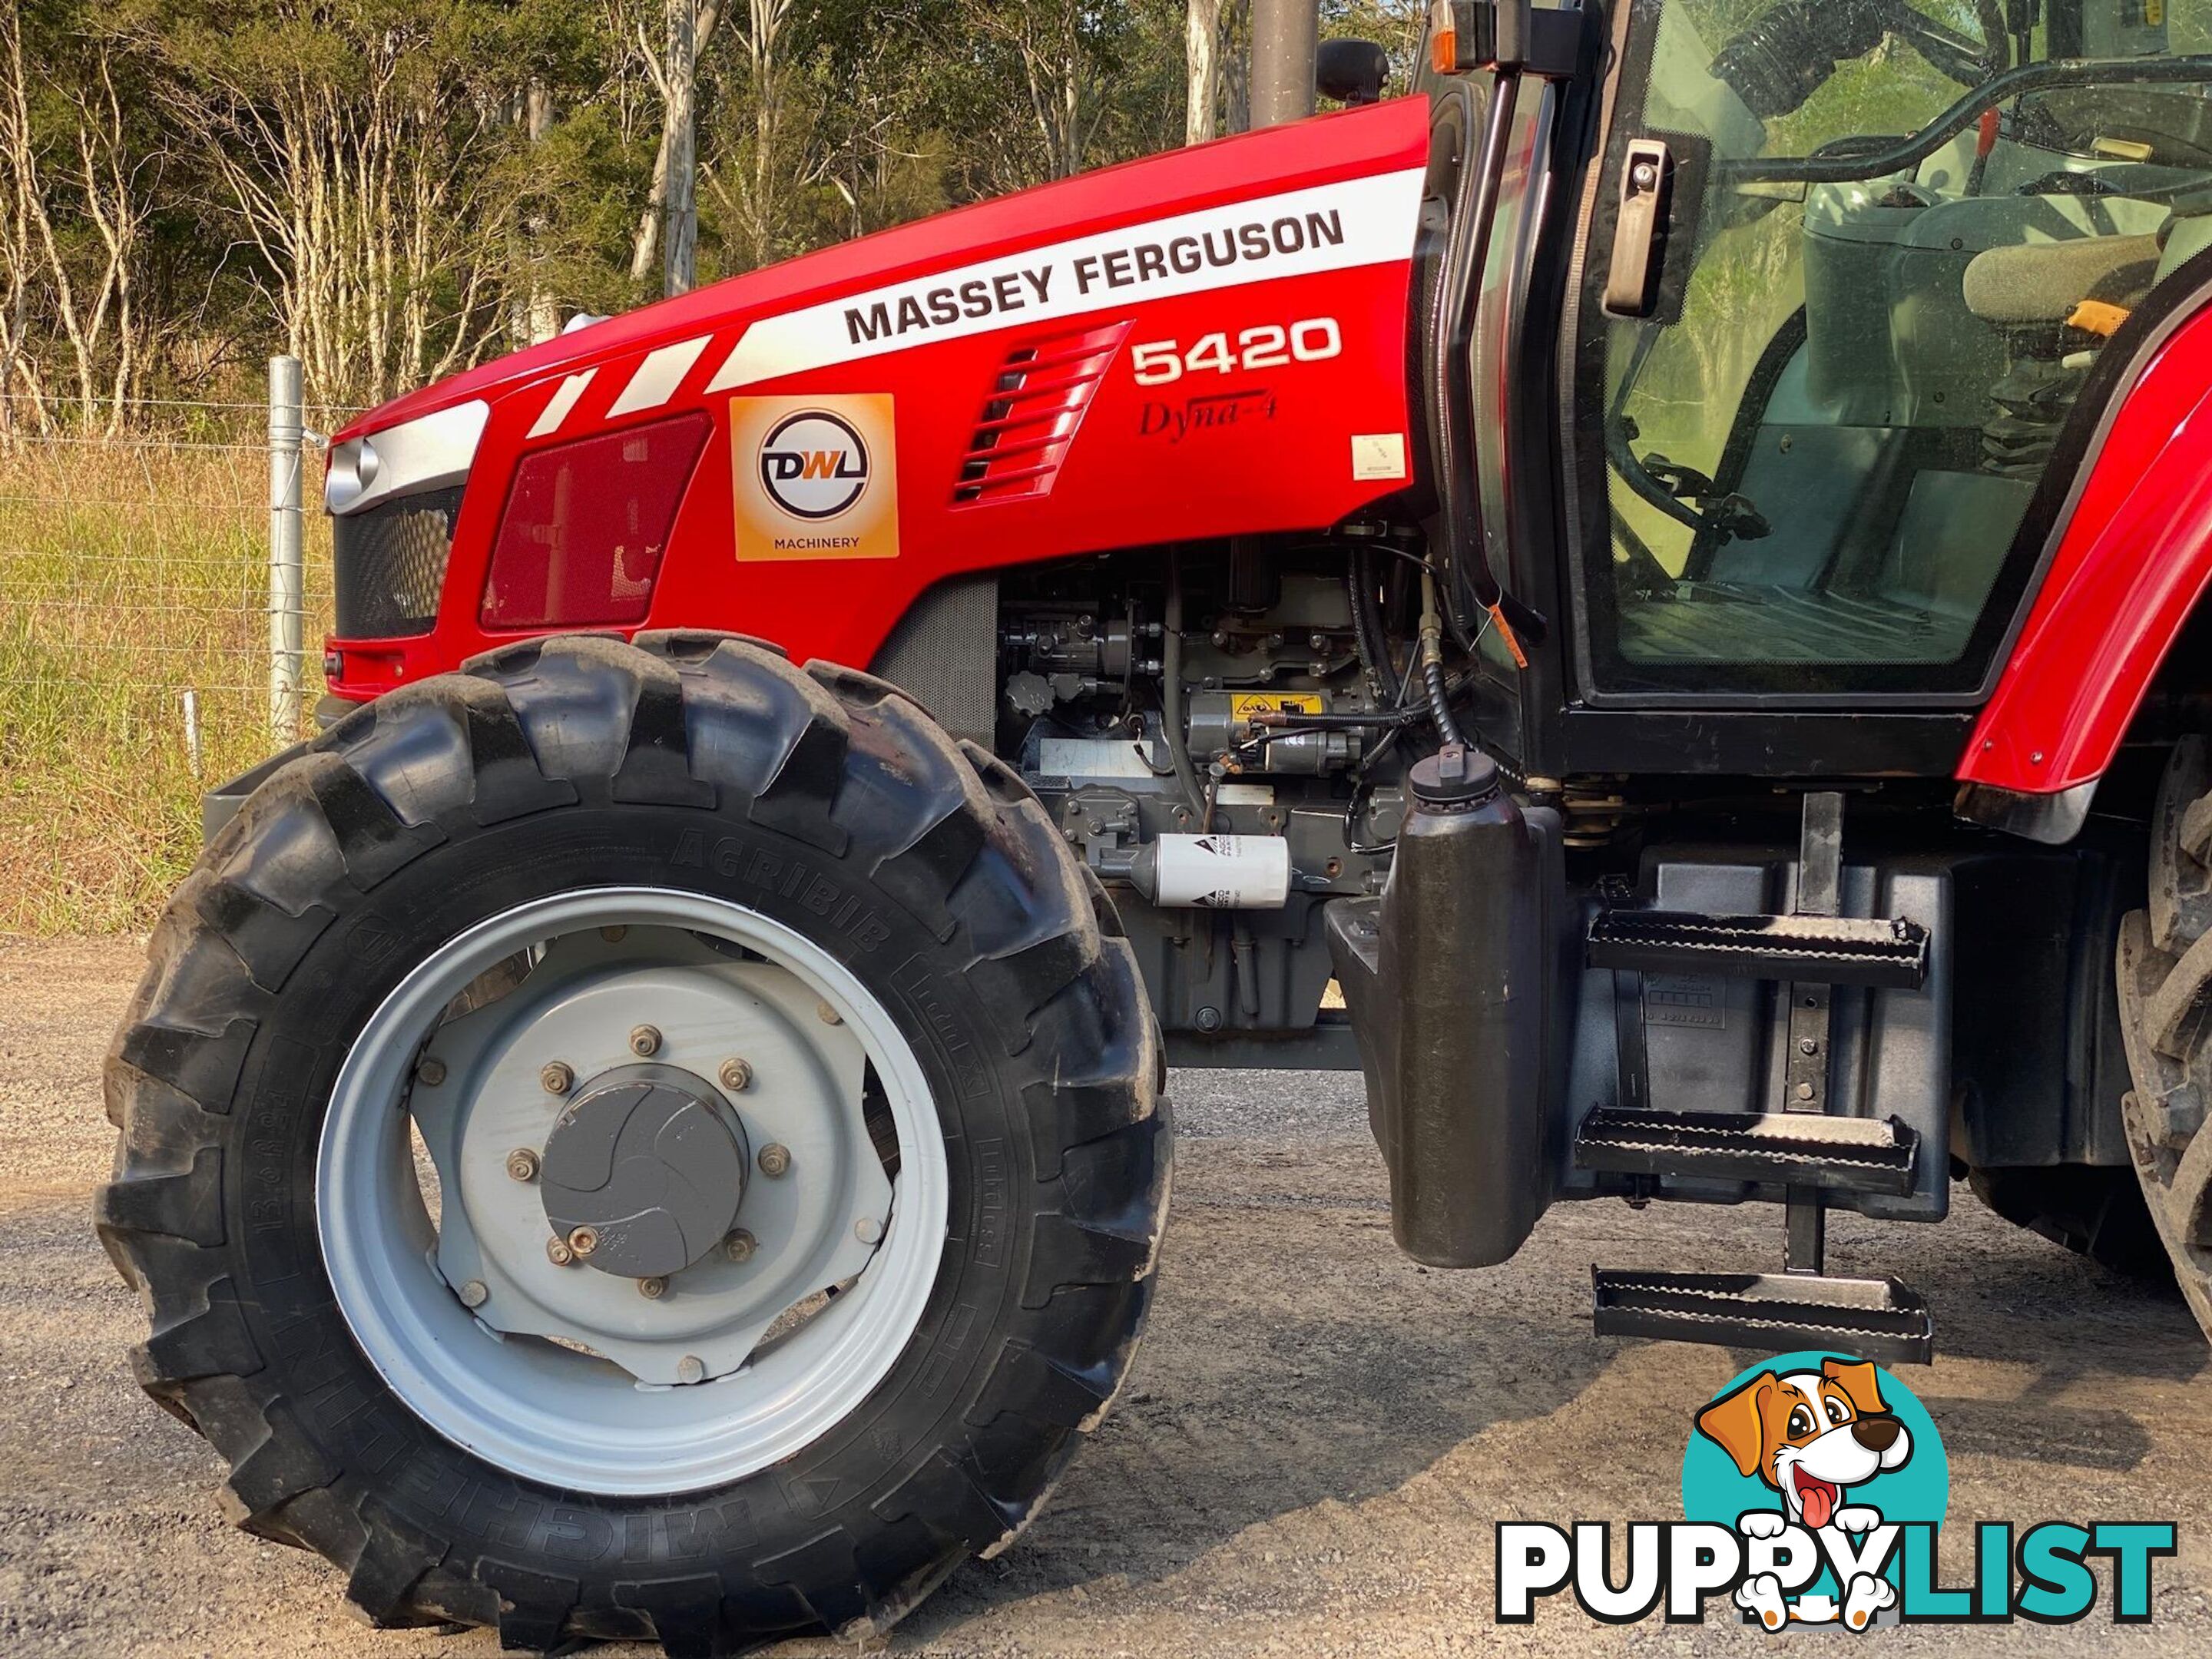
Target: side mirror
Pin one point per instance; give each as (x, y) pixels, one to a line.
(1351, 72)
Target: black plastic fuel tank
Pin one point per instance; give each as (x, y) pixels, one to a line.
(1450, 981)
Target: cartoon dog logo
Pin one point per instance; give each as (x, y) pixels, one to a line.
(1811, 1436)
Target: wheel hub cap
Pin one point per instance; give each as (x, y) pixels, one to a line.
(651, 1161)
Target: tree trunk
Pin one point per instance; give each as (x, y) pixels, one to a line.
(677, 127)
(680, 263)
(1203, 63)
(1236, 66)
(764, 55)
(544, 318)
(646, 247)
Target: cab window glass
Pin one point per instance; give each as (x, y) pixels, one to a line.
(1821, 446)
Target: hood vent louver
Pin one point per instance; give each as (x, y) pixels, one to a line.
(1032, 413)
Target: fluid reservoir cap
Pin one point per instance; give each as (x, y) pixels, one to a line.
(1454, 776)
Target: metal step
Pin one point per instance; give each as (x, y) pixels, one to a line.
(1876, 1319)
(1877, 951)
(1793, 1149)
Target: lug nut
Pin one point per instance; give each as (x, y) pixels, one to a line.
(690, 1369)
(653, 1289)
(473, 1294)
(644, 1041)
(431, 1072)
(774, 1159)
(614, 935)
(868, 1230)
(583, 1241)
(556, 1078)
(737, 1076)
(827, 1015)
(740, 1245)
(558, 1253)
(522, 1164)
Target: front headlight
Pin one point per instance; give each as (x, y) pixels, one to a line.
(353, 468)
(427, 452)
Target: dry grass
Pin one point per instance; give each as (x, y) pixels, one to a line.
(129, 573)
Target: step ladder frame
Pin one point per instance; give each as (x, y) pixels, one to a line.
(1875, 1319)
(1880, 1319)
(1806, 1064)
(1836, 1154)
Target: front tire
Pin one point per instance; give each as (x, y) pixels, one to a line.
(691, 817)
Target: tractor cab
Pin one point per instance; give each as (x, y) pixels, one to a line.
(1906, 239)
(1800, 321)
(1777, 350)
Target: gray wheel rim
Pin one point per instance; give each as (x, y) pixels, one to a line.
(581, 1420)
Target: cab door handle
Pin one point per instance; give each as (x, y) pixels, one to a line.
(1639, 229)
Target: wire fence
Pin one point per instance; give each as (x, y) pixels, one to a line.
(146, 649)
(139, 560)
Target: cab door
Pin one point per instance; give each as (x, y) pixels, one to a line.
(1832, 395)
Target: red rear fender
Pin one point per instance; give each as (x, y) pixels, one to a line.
(2131, 563)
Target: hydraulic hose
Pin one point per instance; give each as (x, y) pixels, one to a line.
(1368, 637)
(1174, 728)
(1283, 723)
(1433, 677)
(1432, 665)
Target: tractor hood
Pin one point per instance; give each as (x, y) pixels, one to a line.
(1353, 145)
(1209, 342)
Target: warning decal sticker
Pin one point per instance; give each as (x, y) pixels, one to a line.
(1245, 705)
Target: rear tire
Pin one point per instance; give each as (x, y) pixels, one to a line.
(2165, 978)
(824, 802)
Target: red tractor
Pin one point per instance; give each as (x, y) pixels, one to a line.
(1665, 567)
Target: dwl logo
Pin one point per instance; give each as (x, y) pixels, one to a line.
(814, 465)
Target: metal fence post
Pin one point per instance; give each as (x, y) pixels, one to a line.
(287, 586)
(1284, 34)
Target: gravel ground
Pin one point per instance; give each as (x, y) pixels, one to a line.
(1310, 1457)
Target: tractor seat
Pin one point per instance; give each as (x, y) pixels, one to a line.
(2042, 281)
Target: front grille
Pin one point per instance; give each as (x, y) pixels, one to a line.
(388, 564)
